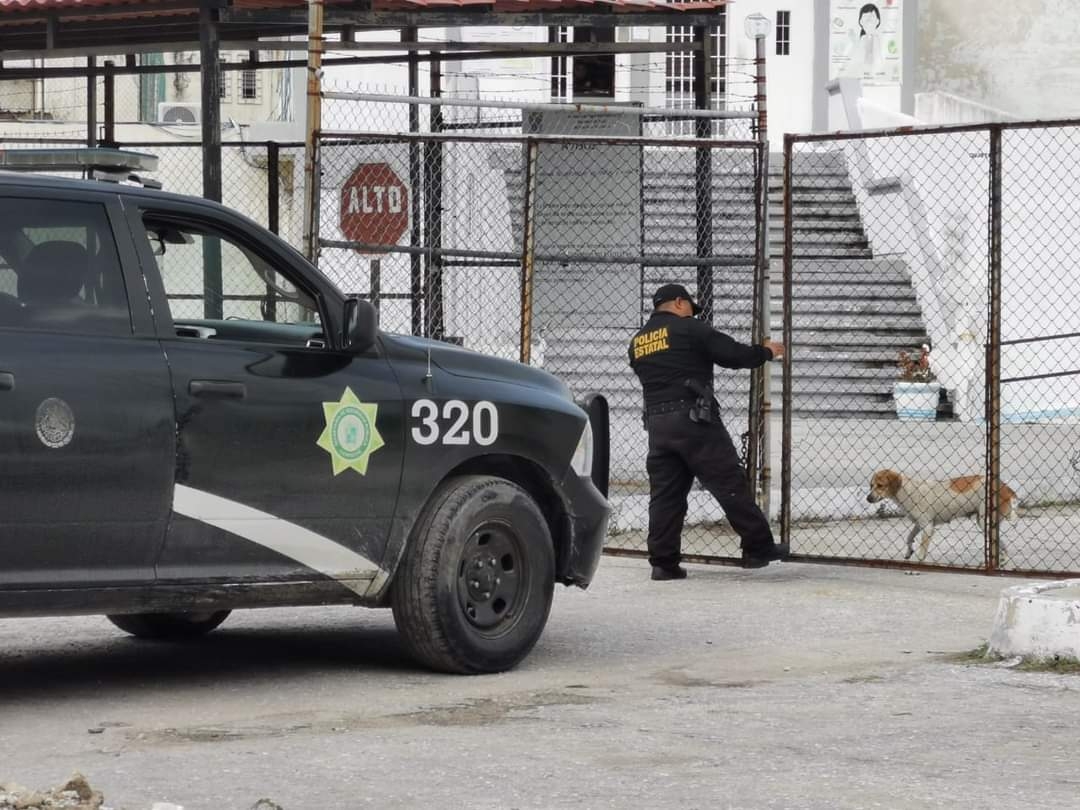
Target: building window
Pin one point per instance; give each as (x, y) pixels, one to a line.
(249, 85)
(593, 74)
(223, 83)
(560, 65)
(679, 71)
(783, 33)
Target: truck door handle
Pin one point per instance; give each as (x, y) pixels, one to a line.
(7, 381)
(215, 389)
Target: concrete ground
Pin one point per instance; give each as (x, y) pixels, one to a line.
(796, 686)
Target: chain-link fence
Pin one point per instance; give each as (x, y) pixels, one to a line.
(932, 312)
(263, 181)
(542, 239)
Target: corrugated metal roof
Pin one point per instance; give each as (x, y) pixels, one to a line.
(618, 6)
(50, 5)
(629, 6)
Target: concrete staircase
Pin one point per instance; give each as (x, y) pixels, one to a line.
(853, 312)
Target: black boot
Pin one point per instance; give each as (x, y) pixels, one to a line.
(759, 558)
(661, 573)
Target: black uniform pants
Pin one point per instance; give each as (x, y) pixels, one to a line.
(679, 451)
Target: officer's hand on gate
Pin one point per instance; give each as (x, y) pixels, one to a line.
(777, 349)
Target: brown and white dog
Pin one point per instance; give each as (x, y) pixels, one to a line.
(929, 503)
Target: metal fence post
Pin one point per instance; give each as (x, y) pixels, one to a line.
(433, 199)
(273, 186)
(416, 272)
(528, 250)
(109, 138)
(375, 283)
(789, 274)
(703, 168)
(91, 101)
(992, 523)
(312, 130)
(758, 467)
(763, 282)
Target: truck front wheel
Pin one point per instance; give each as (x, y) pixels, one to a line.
(474, 590)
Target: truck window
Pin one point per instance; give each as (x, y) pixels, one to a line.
(60, 269)
(208, 276)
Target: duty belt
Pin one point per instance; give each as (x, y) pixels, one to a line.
(669, 407)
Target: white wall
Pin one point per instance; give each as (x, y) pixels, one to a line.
(65, 98)
(937, 220)
(790, 78)
(1021, 56)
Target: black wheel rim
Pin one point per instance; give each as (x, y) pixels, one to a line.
(492, 578)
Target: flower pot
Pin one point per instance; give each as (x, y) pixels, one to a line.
(916, 401)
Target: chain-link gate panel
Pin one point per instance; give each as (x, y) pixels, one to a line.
(547, 246)
(1040, 349)
(427, 227)
(699, 225)
(893, 420)
(886, 267)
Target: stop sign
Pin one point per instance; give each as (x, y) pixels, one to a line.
(374, 205)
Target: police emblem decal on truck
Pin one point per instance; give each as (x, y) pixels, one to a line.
(54, 423)
(351, 435)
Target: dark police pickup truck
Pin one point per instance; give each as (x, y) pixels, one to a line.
(193, 419)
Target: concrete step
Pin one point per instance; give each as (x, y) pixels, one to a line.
(805, 280)
(841, 338)
(803, 404)
(627, 384)
(887, 317)
(826, 291)
(609, 371)
(891, 310)
(744, 212)
(614, 350)
(747, 222)
(745, 183)
(686, 200)
(659, 231)
(825, 322)
(807, 252)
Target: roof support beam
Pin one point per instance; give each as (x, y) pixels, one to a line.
(210, 76)
(337, 16)
(138, 70)
(91, 102)
(233, 43)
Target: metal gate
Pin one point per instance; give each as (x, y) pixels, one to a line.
(932, 305)
(538, 232)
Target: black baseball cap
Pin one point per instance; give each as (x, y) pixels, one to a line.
(669, 292)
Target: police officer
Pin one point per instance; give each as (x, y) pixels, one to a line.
(673, 355)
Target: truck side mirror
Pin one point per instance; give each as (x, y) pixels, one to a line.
(361, 325)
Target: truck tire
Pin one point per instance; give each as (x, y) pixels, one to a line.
(164, 626)
(474, 590)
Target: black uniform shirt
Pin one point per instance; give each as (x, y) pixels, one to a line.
(668, 350)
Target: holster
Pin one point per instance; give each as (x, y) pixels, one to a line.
(702, 410)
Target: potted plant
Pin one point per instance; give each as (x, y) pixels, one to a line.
(916, 392)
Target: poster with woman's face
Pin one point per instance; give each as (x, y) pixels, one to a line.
(865, 40)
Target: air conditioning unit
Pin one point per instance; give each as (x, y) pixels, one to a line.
(172, 112)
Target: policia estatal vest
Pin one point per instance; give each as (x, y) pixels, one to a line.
(673, 355)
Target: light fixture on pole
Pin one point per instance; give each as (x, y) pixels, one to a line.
(756, 26)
